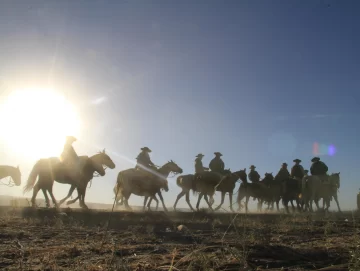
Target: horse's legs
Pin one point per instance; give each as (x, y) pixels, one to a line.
(47, 201)
(187, 198)
(75, 199)
(52, 196)
(230, 200)
(181, 194)
(292, 205)
(156, 200)
(222, 201)
(82, 191)
(126, 200)
(71, 190)
(36, 190)
(145, 200)
(337, 202)
(246, 203)
(285, 202)
(198, 202)
(208, 203)
(162, 201)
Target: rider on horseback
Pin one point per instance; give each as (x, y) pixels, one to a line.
(283, 173)
(319, 168)
(297, 171)
(253, 175)
(198, 164)
(70, 159)
(217, 164)
(143, 160)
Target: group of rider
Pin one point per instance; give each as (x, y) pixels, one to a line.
(319, 168)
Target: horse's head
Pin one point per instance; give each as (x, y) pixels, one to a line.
(227, 171)
(105, 160)
(171, 166)
(335, 179)
(16, 175)
(241, 174)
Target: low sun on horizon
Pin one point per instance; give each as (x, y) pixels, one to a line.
(35, 122)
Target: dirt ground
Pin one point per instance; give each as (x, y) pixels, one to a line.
(65, 242)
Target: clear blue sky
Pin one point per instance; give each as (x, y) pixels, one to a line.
(259, 81)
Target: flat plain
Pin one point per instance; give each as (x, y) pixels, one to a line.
(72, 239)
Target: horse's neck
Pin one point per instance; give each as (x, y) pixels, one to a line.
(5, 171)
(164, 171)
(96, 158)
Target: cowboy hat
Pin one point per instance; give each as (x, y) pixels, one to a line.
(297, 160)
(218, 153)
(315, 159)
(252, 166)
(284, 164)
(200, 155)
(71, 138)
(146, 149)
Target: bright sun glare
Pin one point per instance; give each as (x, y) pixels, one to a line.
(36, 122)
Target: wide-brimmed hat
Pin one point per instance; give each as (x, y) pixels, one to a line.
(71, 138)
(146, 149)
(315, 159)
(200, 155)
(252, 166)
(297, 160)
(284, 164)
(218, 153)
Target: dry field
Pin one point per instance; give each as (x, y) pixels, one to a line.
(98, 240)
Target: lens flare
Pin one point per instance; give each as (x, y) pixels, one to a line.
(331, 150)
(316, 148)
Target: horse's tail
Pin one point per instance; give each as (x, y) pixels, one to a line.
(32, 177)
(117, 188)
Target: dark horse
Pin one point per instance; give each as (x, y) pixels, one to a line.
(12, 172)
(206, 183)
(50, 170)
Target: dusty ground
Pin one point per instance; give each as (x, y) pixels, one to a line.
(66, 242)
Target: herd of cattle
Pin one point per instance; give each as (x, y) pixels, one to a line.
(303, 191)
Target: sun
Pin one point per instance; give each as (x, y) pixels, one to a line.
(35, 122)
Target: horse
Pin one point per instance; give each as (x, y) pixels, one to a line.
(12, 172)
(313, 189)
(258, 190)
(51, 169)
(205, 184)
(273, 192)
(107, 162)
(185, 182)
(141, 183)
(227, 185)
(290, 192)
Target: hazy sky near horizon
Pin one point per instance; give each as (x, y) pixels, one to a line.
(259, 81)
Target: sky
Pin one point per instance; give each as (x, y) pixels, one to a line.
(258, 81)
